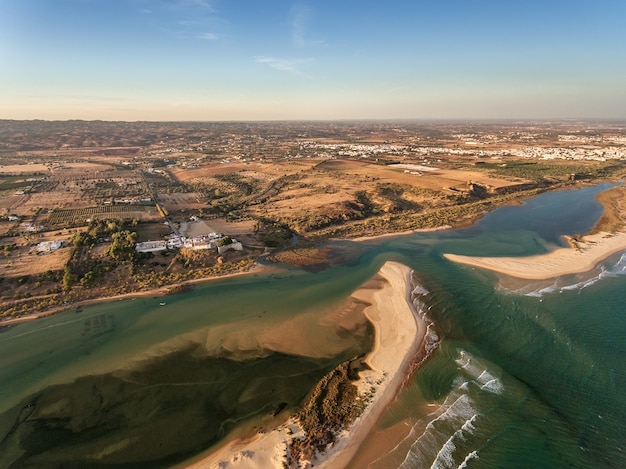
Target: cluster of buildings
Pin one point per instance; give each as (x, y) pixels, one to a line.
(129, 201)
(28, 227)
(355, 150)
(195, 243)
(587, 152)
(575, 153)
(593, 139)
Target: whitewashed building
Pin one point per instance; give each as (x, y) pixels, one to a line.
(151, 246)
(49, 246)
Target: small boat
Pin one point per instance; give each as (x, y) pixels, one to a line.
(162, 303)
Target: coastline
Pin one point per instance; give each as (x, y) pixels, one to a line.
(585, 254)
(483, 262)
(156, 292)
(399, 335)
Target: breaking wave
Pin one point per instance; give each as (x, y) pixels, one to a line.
(571, 283)
(421, 309)
(477, 371)
(457, 429)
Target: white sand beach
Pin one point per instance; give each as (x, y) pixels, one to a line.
(588, 253)
(399, 335)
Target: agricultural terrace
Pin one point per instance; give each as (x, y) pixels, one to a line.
(81, 216)
(67, 185)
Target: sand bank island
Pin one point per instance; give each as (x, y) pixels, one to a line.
(399, 336)
(582, 256)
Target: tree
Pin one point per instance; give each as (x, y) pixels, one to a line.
(69, 278)
(123, 245)
(225, 241)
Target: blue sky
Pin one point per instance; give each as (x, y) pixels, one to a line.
(253, 59)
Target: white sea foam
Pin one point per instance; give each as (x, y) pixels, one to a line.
(485, 377)
(471, 366)
(581, 281)
(419, 290)
(444, 437)
(420, 308)
(534, 289)
(468, 458)
(464, 359)
(478, 372)
(444, 458)
(543, 291)
(468, 426)
(455, 420)
(431, 339)
(436, 445)
(494, 386)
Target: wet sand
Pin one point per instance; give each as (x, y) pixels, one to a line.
(386, 236)
(588, 253)
(399, 334)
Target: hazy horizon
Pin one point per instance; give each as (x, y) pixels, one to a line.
(213, 60)
(425, 120)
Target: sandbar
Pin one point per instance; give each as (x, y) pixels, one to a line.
(397, 234)
(398, 336)
(585, 254)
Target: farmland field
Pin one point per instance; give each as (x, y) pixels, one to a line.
(29, 262)
(80, 216)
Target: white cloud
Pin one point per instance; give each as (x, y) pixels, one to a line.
(203, 4)
(300, 17)
(207, 36)
(284, 65)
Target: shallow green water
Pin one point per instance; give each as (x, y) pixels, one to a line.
(531, 380)
(522, 380)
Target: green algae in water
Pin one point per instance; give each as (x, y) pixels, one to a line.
(161, 413)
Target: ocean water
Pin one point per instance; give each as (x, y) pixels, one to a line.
(523, 375)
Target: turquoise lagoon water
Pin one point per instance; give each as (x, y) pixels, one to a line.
(524, 375)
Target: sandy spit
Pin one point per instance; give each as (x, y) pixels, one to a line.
(399, 334)
(591, 250)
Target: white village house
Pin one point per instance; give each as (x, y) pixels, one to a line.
(49, 246)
